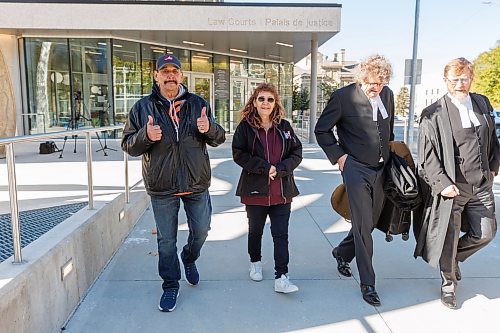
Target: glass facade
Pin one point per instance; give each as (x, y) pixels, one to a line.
(127, 80)
(273, 73)
(239, 67)
(286, 87)
(256, 69)
(48, 83)
(76, 82)
(202, 62)
(149, 54)
(90, 83)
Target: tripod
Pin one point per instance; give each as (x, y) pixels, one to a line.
(103, 148)
(73, 125)
(104, 134)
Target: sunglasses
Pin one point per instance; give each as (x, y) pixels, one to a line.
(262, 99)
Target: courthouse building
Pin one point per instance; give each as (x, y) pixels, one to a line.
(85, 63)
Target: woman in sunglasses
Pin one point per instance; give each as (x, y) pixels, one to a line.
(265, 146)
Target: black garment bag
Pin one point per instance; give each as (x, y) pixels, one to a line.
(402, 197)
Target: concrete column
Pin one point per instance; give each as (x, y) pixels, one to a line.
(313, 99)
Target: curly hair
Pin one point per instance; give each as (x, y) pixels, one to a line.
(458, 66)
(249, 111)
(375, 65)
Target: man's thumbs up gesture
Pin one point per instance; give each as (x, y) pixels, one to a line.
(153, 131)
(202, 122)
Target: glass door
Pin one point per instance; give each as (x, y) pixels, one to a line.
(241, 90)
(202, 85)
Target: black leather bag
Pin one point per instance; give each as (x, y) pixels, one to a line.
(48, 147)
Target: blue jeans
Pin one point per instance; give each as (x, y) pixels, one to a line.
(198, 210)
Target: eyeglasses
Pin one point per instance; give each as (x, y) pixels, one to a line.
(461, 80)
(262, 99)
(375, 84)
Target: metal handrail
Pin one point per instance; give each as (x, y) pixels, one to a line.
(12, 180)
(60, 134)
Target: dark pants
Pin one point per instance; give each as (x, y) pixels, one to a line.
(166, 212)
(279, 216)
(364, 186)
(478, 204)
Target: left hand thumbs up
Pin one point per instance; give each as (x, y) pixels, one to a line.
(202, 123)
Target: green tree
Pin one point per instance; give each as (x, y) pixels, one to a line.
(300, 98)
(402, 102)
(487, 75)
(327, 88)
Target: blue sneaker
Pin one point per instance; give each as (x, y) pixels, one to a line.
(192, 275)
(168, 300)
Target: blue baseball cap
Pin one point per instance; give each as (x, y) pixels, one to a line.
(167, 59)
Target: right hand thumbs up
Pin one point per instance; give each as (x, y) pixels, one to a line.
(153, 131)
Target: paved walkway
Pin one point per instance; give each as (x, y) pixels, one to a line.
(125, 297)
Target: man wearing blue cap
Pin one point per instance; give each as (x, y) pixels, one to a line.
(170, 128)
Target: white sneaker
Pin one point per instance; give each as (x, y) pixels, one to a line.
(283, 285)
(256, 271)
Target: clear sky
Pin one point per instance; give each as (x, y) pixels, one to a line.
(447, 29)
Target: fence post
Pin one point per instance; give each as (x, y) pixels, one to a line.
(90, 184)
(127, 190)
(14, 209)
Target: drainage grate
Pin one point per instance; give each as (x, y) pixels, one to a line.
(34, 223)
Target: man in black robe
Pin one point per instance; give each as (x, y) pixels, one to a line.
(458, 158)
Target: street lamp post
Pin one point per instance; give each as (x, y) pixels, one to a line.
(409, 132)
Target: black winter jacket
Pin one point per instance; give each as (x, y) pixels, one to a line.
(248, 152)
(170, 166)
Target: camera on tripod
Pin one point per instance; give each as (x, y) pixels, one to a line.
(77, 96)
(76, 118)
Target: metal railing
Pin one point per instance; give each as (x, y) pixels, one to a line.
(301, 127)
(12, 181)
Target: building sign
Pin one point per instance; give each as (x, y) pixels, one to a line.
(408, 71)
(270, 22)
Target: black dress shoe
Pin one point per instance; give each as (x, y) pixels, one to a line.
(370, 295)
(342, 265)
(449, 299)
(458, 274)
